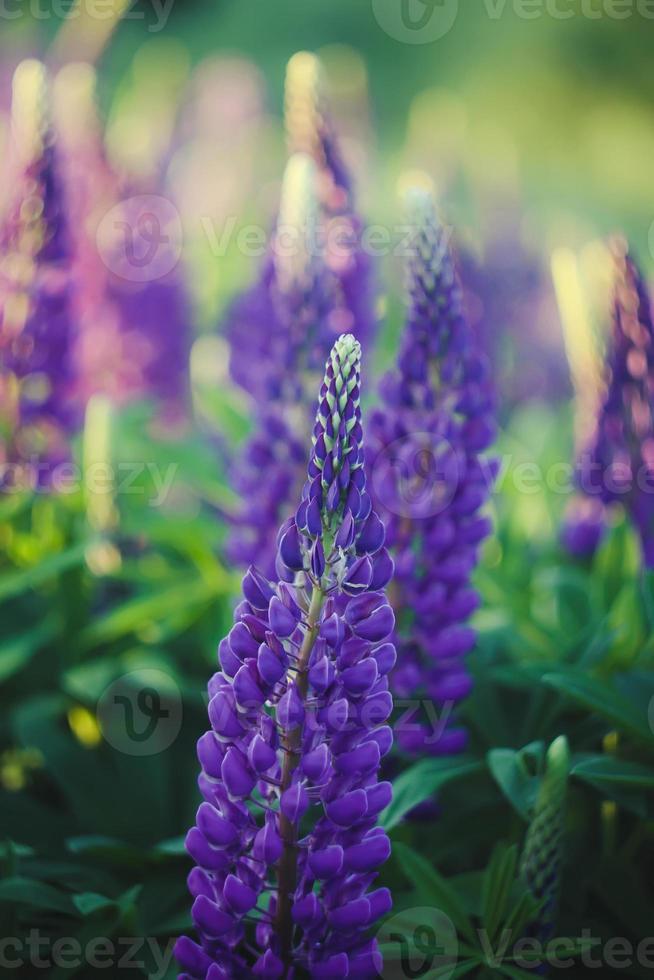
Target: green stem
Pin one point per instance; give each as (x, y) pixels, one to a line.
(287, 868)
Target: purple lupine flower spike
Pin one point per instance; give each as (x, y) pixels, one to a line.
(310, 130)
(272, 364)
(430, 480)
(36, 318)
(585, 518)
(619, 465)
(316, 283)
(134, 337)
(287, 844)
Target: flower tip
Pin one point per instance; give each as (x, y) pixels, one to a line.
(416, 186)
(304, 98)
(294, 244)
(29, 106)
(558, 754)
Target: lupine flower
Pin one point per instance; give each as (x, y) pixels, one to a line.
(618, 466)
(268, 474)
(134, 336)
(542, 855)
(585, 518)
(286, 843)
(315, 283)
(36, 315)
(430, 480)
(511, 307)
(310, 130)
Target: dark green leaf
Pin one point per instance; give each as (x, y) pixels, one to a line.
(420, 781)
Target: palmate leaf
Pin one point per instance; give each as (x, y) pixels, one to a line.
(420, 781)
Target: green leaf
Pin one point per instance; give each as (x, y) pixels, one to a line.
(601, 697)
(15, 654)
(173, 847)
(606, 769)
(498, 881)
(89, 902)
(29, 578)
(420, 782)
(515, 973)
(433, 889)
(627, 783)
(516, 774)
(447, 972)
(25, 891)
(133, 615)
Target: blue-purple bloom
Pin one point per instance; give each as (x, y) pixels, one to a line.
(36, 317)
(430, 479)
(287, 844)
(134, 324)
(316, 283)
(584, 525)
(618, 467)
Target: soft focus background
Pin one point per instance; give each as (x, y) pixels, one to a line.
(538, 135)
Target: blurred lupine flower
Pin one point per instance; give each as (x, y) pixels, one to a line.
(585, 519)
(274, 366)
(542, 855)
(310, 130)
(286, 842)
(134, 336)
(36, 314)
(430, 479)
(584, 526)
(316, 283)
(618, 466)
(315, 255)
(511, 306)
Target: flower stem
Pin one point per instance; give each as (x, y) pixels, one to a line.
(287, 868)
